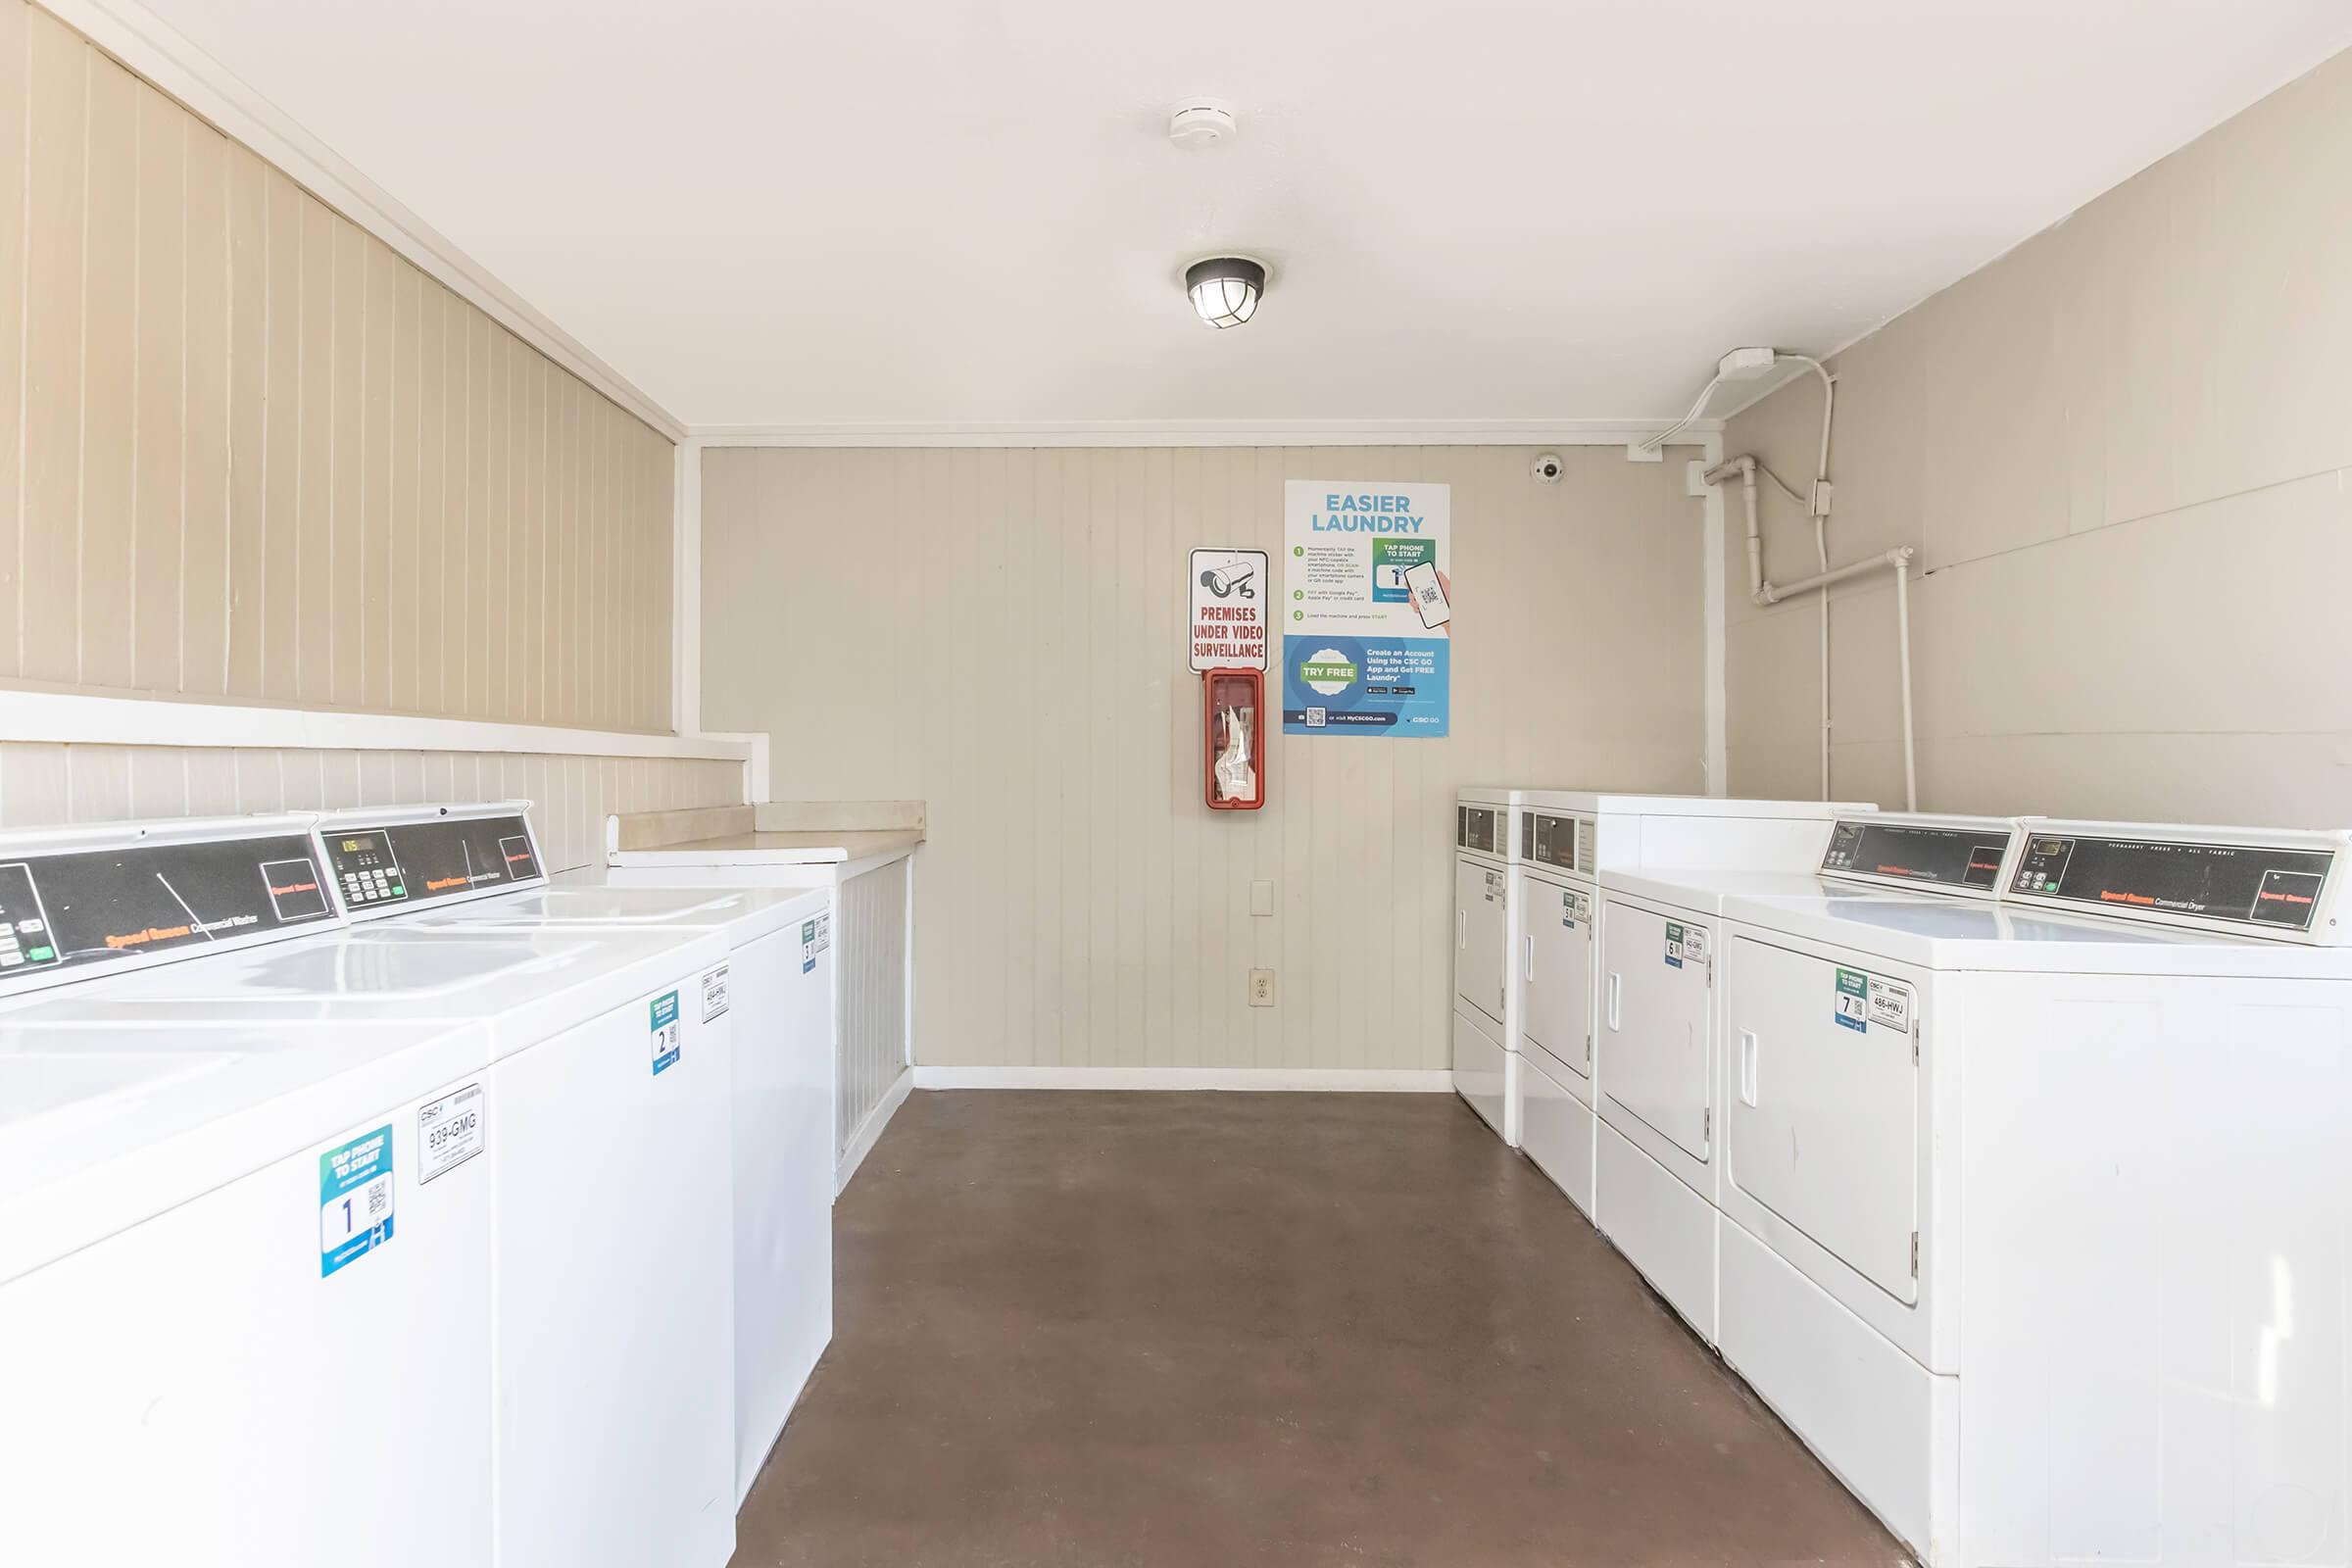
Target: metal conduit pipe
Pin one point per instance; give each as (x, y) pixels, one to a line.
(1764, 593)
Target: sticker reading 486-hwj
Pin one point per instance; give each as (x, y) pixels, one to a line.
(667, 1030)
(714, 993)
(355, 1200)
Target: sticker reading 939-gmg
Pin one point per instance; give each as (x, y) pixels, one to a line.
(355, 1200)
(667, 1030)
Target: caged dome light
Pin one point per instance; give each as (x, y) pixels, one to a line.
(1225, 289)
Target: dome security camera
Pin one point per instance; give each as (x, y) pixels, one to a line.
(1547, 468)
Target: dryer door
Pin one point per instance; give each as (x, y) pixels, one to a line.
(1825, 1101)
(1556, 980)
(1655, 1057)
(1481, 930)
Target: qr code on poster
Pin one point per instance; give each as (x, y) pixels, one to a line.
(1315, 717)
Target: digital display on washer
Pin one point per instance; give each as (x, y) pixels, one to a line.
(1908, 851)
(416, 862)
(2253, 884)
(89, 908)
(1552, 841)
(1474, 828)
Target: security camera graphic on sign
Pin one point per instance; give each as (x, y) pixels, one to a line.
(1233, 582)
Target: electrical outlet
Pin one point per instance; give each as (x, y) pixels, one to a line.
(1262, 987)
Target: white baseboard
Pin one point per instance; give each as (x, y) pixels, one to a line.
(1322, 1079)
(870, 1129)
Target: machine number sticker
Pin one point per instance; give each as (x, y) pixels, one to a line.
(1891, 1005)
(667, 1030)
(450, 1131)
(355, 1200)
(807, 945)
(1568, 908)
(1674, 946)
(714, 993)
(1853, 987)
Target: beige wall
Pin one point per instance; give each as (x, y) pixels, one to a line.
(1000, 633)
(2124, 451)
(248, 453)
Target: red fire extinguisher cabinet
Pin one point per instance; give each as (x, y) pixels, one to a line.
(1233, 738)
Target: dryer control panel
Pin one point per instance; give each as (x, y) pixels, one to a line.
(1548, 839)
(379, 866)
(1479, 828)
(69, 908)
(1959, 854)
(2275, 889)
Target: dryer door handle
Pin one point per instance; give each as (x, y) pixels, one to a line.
(1616, 996)
(1747, 1066)
(1461, 930)
(1531, 957)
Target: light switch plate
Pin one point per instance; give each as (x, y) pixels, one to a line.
(1261, 898)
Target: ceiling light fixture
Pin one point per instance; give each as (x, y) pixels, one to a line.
(1225, 289)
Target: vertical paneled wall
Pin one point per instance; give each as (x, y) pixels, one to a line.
(2125, 452)
(248, 452)
(1001, 634)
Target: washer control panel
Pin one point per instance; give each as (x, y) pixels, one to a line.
(2265, 887)
(397, 865)
(68, 910)
(1952, 854)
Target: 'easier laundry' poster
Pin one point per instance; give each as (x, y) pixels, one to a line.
(1367, 608)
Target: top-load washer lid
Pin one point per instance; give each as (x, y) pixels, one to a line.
(742, 913)
(106, 1123)
(2271, 884)
(1967, 935)
(386, 860)
(76, 903)
(1707, 889)
(524, 986)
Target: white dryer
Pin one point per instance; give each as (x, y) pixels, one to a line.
(244, 1289)
(1566, 838)
(776, 988)
(1485, 1063)
(1658, 1179)
(606, 1132)
(2037, 1210)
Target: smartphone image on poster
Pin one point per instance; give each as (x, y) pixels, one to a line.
(1429, 594)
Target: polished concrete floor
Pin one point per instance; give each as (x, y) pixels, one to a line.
(1191, 1329)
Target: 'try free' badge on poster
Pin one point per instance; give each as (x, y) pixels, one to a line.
(1367, 608)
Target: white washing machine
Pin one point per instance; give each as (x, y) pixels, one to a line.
(606, 1143)
(1660, 1103)
(244, 1266)
(1485, 1067)
(1565, 840)
(776, 988)
(2037, 1212)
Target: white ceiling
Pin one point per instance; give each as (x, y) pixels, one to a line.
(778, 212)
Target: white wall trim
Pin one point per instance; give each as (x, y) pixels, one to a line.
(1183, 433)
(686, 595)
(869, 1131)
(1352, 1080)
(156, 50)
(1716, 700)
(78, 719)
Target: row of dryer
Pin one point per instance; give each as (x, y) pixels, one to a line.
(2002, 1158)
(367, 1199)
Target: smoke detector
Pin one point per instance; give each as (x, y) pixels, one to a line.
(1200, 122)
